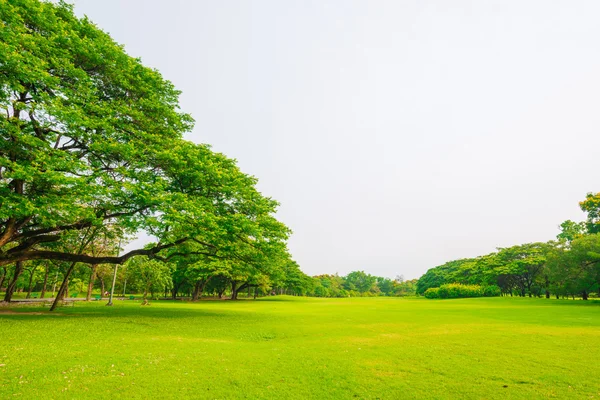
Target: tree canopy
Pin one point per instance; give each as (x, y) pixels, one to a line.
(569, 266)
(91, 138)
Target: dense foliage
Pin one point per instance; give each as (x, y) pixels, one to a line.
(92, 149)
(360, 284)
(569, 266)
(458, 290)
(184, 279)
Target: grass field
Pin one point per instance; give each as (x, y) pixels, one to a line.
(298, 348)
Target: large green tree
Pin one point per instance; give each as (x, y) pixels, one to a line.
(91, 138)
(574, 269)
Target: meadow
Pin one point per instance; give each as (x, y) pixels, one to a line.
(302, 348)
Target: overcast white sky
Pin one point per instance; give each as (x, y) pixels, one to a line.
(397, 135)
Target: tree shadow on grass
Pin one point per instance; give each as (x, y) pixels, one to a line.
(285, 298)
(118, 312)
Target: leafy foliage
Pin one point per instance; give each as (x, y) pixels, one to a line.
(457, 290)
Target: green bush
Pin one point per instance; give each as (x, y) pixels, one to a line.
(457, 290)
(492, 291)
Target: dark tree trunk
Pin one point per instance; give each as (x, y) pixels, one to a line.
(556, 296)
(584, 295)
(44, 286)
(234, 290)
(88, 297)
(547, 294)
(3, 278)
(196, 290)
(175, 290)
(199, 288)
(255, 292)
(31, 273)
(13, 283)
(63, 287)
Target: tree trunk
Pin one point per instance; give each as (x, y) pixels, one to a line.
(63, 287)
(43, 294)
(255, 291)
(196, 291)
(584, 295)
(234, 290)
(88, 297)
(66, 292)
(30, 283)
(199, 288)
(145, 296)
(3, 278)
(13, 283)
(556, 296)
(102, 288)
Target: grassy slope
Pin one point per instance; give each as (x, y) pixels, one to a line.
(289, 348)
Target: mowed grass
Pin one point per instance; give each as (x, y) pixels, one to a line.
(299, 348)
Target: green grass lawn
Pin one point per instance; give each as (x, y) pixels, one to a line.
(298, 348)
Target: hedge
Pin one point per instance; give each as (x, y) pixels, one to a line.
(457, 290)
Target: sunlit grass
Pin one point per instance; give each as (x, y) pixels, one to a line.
(298, 348)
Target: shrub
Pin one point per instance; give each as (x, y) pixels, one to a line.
(457, 290)
(492, 291)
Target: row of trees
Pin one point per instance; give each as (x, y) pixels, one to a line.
(359, 283)
(175, 280)
(568, 266)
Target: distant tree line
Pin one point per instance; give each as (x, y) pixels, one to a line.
(566, 267)
(186, 280)
(360, 284)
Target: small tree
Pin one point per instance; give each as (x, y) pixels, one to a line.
(150, 275)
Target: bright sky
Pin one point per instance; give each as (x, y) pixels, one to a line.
(397, 135)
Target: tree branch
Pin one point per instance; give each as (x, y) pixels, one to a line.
(84, 258)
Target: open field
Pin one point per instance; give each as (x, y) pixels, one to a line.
(300, 348)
